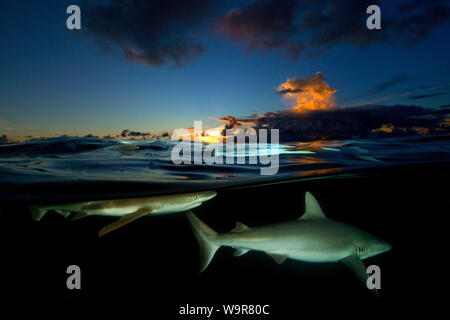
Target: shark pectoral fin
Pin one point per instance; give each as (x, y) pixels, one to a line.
(239, 252)
(123, 221)
(78, 216)
(312, 208)
(279, 258)
(359, 269)
(240, 227)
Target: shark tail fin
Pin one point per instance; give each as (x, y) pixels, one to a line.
(37, 213)
(205, 237)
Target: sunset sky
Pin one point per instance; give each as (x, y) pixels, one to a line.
(161, 66)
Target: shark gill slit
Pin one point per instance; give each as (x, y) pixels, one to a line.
(361, 249)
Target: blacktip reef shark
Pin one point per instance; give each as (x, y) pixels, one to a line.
(311, 238)
(127, 210)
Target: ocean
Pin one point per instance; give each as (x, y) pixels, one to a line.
(396, 189)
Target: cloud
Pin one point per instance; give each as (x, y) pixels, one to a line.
(4, 139)
(312, 27)
(90, 135)
(152, 32)
(233, 123)
(415, 19)
(263, 24)
(396, 95)
(351, 122)
(157, 33)
(424, 96)
(393, 81)
(134, 134)
(311, 93)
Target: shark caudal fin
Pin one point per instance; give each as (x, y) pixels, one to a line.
(205, 236)
(37, 213)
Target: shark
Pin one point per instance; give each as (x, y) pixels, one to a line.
(127, 210)
(311, 238)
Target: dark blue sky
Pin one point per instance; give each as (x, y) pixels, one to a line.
(54, 81)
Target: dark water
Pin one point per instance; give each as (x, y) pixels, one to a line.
(395, 189)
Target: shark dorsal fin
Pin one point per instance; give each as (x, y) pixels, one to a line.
(312, 208)
(240, 227)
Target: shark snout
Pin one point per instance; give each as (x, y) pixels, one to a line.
(206, 195)
(387, 247)
(195, 200)
(381, 246)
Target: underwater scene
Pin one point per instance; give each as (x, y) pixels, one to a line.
(383, 187)
(197, 159)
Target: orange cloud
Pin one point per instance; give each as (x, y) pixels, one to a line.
(387, 127)
(311, 93)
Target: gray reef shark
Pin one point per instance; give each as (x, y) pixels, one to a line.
(126, 210)
(311, 238)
